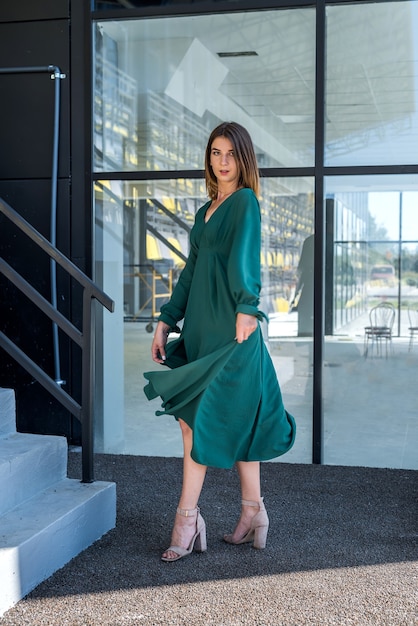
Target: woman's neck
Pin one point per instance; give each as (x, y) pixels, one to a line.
(225, 192)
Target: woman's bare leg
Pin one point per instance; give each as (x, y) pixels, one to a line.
(193, 473)
(249, 474)
(193, 479)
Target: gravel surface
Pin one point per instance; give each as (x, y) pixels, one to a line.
(342, 550)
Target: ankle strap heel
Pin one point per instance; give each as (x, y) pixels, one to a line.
(259, 505)
(188, 512)
(197, 542)
(257, 531)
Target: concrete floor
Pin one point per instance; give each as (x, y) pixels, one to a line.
(370, 405)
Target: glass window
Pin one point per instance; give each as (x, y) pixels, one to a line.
(371, 84)
(409, 225)
(287, 207)
(161, 85)
(142, 241)
(370, 394)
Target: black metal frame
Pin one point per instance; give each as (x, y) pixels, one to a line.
(84, 412)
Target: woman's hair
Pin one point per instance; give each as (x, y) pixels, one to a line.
(244, 155)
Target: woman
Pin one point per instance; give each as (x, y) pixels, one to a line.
(222, 387)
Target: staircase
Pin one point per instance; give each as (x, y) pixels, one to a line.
(46, 519)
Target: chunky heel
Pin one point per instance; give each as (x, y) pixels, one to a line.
(260, 537)
(198, 540)
(257, 533)
(200, 543)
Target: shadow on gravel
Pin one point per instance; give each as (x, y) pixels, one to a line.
(320, 517)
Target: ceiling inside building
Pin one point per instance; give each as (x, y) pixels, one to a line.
(259, 69)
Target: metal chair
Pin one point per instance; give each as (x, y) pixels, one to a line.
(382, 318)
(413, 326)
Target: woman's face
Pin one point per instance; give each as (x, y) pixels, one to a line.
(223, 161)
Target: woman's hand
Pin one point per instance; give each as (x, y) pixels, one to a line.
(159, 342)
(245, 326)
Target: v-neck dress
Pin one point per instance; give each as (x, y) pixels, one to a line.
(228, 393)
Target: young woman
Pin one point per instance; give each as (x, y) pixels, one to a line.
(221, 386)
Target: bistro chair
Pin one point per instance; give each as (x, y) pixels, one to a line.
(413, 326)
(382, 318)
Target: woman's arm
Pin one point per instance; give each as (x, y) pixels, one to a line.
(245, 326)
(159, 342)
(244, 265)
(173, 311)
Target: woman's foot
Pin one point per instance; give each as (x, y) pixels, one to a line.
(189, 532)
(252, 525)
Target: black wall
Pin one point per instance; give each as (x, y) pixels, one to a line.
(35, 34)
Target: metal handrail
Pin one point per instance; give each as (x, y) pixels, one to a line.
(84, 411)
(57, 76)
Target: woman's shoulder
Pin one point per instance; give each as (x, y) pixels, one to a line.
(246, 192)
(246, 196)
(245, 199)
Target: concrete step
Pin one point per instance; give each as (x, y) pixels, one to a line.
(41, 535)
(28, 464)
(7, 411)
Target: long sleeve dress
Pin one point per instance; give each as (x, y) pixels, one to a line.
(228, 393)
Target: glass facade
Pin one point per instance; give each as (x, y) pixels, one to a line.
(371, 84)
(370, 397)
(160, 85)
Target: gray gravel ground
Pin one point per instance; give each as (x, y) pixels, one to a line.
(342, 550)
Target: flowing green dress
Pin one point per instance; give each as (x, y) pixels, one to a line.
(226, 392)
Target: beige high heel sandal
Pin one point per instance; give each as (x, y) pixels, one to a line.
(257, 532)
(198, 541)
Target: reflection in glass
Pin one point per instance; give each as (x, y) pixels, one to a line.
(408, 285)
(161, 85)
(157, 217)
(371, 84)
(154, 107)
(370, 397)
(142, 242)
(367, 220)
(383, 215)
(287, 207)
(408, 200)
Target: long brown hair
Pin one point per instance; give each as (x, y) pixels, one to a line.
(244, 154)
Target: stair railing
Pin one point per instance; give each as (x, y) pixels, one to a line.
(57, 76)
(84, 339)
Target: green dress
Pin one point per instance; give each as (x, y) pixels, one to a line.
(226, 392)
